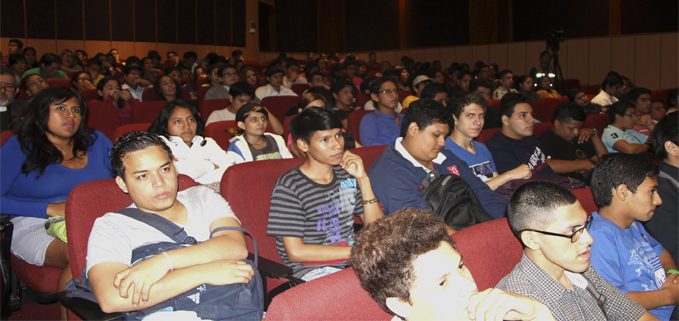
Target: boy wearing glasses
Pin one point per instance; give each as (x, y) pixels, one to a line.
(619, 136)
(625, 189)
(555, 268)
(383, 126)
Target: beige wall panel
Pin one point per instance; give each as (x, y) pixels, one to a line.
(464, 54)
(264, 56)
(533, 50)
(203, 50)
(622, 56)
(126, 49)
(398, 54)
(516, 58)
(390, 56)
(578, 60)
(431, 54)
(96, 46)
(669, 47)
(183, 47)
(599, 59)
(447, 56)
(498, 55)
(647, 61)
(226, 51)
(68, 44)
(163, 48)
(4, 45)
(41, 46)
(299, 55)
(417, 55)
(360, 56)
(141, 49)
(482, 53)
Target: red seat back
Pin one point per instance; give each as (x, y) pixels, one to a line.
(5, 135)
(486, 134)
(586, 199)
(279, 105)
(590, 89)
(23, 95)
(403, 94)
(219, 132)
(150, 95)
(354, 122)
(660, 94)
(369, 154)
(126, 129)
(286, 127)
(103, 117)
(200, 94)
(598, 121)
(201, 81)
(59, 81)
(299, 89)
(490, 251)
(90, 94)
(311, 301)
(403, 111)
(208, 106)
(361, 100)
(146, 111)
(239, 185)
(565, 99)
(544, 108)
(540, 128)
(494, 102)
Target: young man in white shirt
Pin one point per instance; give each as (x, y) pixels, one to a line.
(609, 88)
(133, 82)
(274, 77)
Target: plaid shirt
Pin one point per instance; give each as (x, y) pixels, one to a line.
(530, 280)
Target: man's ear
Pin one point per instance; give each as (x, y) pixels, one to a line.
(100, 93)
(621, 192)
(335, 96)
(121, 184)
(231, 99)
(413, 129)
(374, 97)
(505, 120)
(454, 117)
(671, 148)
(402, 309)
(529, 241)
(559, 124)
(303, 145)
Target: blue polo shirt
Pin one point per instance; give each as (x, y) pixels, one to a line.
(378, 128)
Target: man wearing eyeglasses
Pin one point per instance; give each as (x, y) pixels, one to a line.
(228, 75)
(382, 126)
(554, 268)
(619, 136)
(9, 107)
(625, 189)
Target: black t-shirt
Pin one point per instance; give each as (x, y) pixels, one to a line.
(558, 148)
(491, 117)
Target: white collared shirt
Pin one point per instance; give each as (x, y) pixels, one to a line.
(399, 147)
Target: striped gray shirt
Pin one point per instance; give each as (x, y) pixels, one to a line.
(316, 213)
(530, 280)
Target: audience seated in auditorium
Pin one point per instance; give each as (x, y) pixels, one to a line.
(213, 76)
(437, 75)
(181, 128)
(82, 81)
(545, 68)
(52, 152)
(93, 67)
(313, 205)
(436, 91)
(419, 153)
(545, 89)
(237, 54)
(372, 60)
(18, 63)
(110, 92)
(111, 65)
(619, 136)
(172, 57)
(482, 88)
(555, 266)
(579, 97)
(640, 98)
(274, 77)
(514, 144)
(610, 87)
(143, 168)
(343, 95)
(31, 58)
(189, 61)
(382, 126)
(292, 74)
(69, 63)
(15, 47)
(50, 65)
(350, 69)
(506, 78)
(167, 88)
(657, 109)
(240, 94)
(249, 74)
(571, 150)
(150, 72)
(482, 71)
(33, 84)
(625, 190)
(468, 113)
(664, 224)
(463, 78)
(133, 82)
(253, 143)
(10, 107)
(525, 87)
(418, 84)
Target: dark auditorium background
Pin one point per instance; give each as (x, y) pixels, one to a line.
(636, 38)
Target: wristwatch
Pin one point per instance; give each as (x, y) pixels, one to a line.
(595, 131)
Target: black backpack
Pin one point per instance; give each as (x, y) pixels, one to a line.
(451, 199)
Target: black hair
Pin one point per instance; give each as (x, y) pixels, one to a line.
(49, 58)
(672, 98)
(376, 85)
(458, 105)
(522, 79)
(170, 69)
(153, 54)
(15, 58)
(611, 80)
(159, 91)
(92, 62)
(635, 93)
(132, 142)
(224, 67)
(291, 62)
(169, 52)
(339, 85)
(568, 112)
(665, 130)
(20, 44)
(129, 69)
(190, 54)
(474, 84)
(236, 52)
(311, 120)
(321, 91)
(132, 60)
(100, 87)
(33, 127)
(365, 85)
(74, 79)
(612, 170)
(508, 102)
(533, 205)
(618, 108)
(504, 73)
(159, 125)
(241, 88)
(432, 89)
(463, 73)
(425, 112)
(272, 71)
(349, 62)
(574, 93)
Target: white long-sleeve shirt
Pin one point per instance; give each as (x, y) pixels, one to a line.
(198, 161)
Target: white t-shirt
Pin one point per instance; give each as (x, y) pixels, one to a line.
(198, 161)
(220, 115)
(114, 236)
(371, 106)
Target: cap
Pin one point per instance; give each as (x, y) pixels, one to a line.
(420, 79)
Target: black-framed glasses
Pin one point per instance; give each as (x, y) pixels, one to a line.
(574, 237)
(389, 91)
(7, 86)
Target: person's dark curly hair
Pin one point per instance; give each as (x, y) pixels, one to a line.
(159, 125)
(133, 142)
(458, 105)
(159, 90)
(612, 170)
(33, 128)
(385, 251)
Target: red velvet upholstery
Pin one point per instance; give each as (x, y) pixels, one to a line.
(90, 94)
(490, 251)
(5, 135)
(201, 81)
(565, 99)
(590, 97)
(403, 94)
(544, 108)
(208, 106)
(586, 199)
(247, 187)
(200, 94)
(150, 95)
(494, 102)
(486, 134)
(369, 154)
(354, 122)
(361, 100)
(146, 111)
(84, 205)
(338, 296)
(59, 81)
(279, 105)
(661, 94)
(23, 95)
(299, 89)
(286, 127)
(403, 111)
(103, 117)
(540, 128)
(40, 278)
(598, 121)
(591, 89)
(218, 132)
(126, 129)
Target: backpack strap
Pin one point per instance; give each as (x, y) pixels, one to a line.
(160, 223)
(670, 178)
(233, 228)
(600, 298)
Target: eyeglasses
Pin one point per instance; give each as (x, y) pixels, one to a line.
(36, 82)
(632, 115)
(7, 86)
(574, 237)
(230, 74)
(389, 91)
